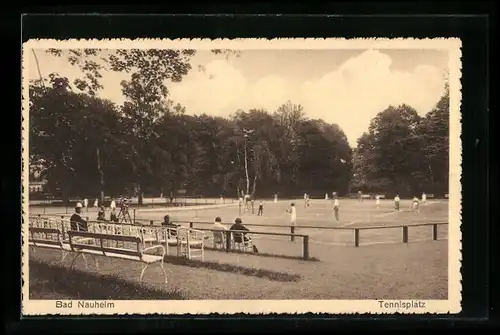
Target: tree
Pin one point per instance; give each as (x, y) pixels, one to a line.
(65, 130)
(391, 152)
(434, 134)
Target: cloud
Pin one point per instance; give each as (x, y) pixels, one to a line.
(350, 96)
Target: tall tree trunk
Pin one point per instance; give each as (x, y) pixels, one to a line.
(38, 68)
(101, 175)
(254, 186)
(246, 170)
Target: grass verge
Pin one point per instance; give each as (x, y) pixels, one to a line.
(263, 254)
(236, 269)
(51, 281)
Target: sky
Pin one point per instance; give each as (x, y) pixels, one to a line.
(346, 87)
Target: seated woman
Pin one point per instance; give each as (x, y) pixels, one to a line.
(112, 216)
(166, 223)
(242, 237)
(101, 215)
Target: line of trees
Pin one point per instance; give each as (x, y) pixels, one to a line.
(405, 153)
(85, 145)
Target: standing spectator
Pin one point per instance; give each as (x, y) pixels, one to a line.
(293, 217)
(261, 208)
(424, 198)
(113, 204)
(415, 204)
(85, 203)
(396, 202)
(76, 220)
(377, 201)
(336, 208)
(96, 203)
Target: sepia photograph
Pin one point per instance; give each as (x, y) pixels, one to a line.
(241, 176)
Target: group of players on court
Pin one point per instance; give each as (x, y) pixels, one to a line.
(247, 203)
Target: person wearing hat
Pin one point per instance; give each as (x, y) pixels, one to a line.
(76, 220)
(240, 237)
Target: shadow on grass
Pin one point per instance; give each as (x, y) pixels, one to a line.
(263, 254)
(260, 273)
(51, 281)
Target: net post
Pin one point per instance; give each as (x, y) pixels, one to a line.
(405, 234)
(356, 237)
(228, 240)
(305, 240)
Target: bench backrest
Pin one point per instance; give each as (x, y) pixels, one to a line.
(45, 235)
(79, 240)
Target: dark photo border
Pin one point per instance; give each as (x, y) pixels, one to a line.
(477, 167)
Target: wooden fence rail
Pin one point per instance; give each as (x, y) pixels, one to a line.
(357, 230)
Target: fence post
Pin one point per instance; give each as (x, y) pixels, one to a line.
(191, 225)
(292, 232)
(405, 234)
(356, 237)
(134, 215)
(306, 247)
(150, 222)
(435, 232)
(228, 241)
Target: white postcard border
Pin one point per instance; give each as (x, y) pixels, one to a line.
(451, 305)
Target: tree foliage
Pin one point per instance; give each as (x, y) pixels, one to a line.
(84, 145)
(403, 152)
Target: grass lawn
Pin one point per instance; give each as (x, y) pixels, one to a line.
(416, 270)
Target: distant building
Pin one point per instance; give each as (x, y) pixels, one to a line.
(37, 186)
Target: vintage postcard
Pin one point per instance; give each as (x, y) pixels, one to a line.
(241, 176)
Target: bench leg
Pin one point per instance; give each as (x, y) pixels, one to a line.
(85, 260)
(74, 259)
(144, 267)
(64, 254)
(164, 272)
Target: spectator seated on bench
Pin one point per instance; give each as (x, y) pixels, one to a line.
(241, 240)
(171, 227)
(101, 215)
(219, 236)
(104, 247)
(76, 220)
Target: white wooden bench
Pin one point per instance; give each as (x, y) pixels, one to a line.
(190, 243)
(105, 246)
(48, 238)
